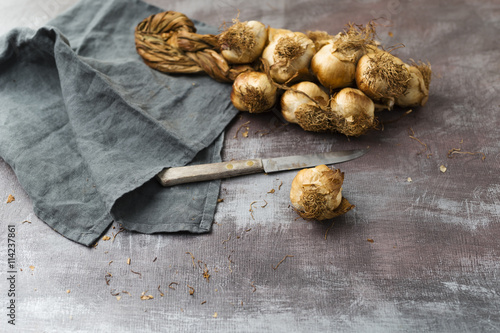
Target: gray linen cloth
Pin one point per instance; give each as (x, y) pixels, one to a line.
(86, 125)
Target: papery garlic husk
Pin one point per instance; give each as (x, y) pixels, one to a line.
(273, 32)
(334, 64)
(356, 112)
(416, 93)
(316, 193)
(288, 56)
(253, 92)
(321, 38)
(426, 71)
(243, 42)
(303, 93)
(382, 77)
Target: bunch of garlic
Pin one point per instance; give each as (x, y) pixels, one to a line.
(349, 111)
(330, 83)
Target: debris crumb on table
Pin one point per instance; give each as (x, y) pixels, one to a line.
(145, 297)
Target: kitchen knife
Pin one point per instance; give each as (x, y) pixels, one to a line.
(202, 172)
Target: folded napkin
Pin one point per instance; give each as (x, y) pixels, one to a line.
(86, 125)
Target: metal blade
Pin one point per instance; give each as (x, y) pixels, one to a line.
(307, 161)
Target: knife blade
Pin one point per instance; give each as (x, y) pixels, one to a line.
(202, 172)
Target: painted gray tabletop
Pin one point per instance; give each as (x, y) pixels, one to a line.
(420, 252)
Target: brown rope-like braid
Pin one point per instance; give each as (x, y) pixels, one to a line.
(168, 42)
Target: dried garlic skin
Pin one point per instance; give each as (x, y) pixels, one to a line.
(335, 62)
(253, 92)
(351, 102)
(417, 92)
(316, 193)
(243, 42)
(289, 56)
(292, 100)
(273, 32)
(356, 111)
(382, 77)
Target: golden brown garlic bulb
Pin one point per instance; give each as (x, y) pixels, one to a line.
(316, 193)
(356, 111)
(292, 100)
(253, 92)
(335, 62)
(382, 77)
(331, 71)
(288, 56)
(243, 42)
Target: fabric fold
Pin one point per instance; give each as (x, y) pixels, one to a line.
(86, 125)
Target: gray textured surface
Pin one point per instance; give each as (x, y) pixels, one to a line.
(433, 265)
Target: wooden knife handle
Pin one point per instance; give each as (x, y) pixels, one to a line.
(203, 172)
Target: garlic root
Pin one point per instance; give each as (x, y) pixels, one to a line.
(349, 112)
(382, 77)
(243, 42)
(299, 96)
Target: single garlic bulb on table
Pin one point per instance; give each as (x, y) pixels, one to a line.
(316, 193)
(243, 42)
(253, 92)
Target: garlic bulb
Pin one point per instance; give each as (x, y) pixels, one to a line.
(243, 42)
(316, 193)
(253, 92)
(306, 104)
(331, 71)
(335, 63)
(356, 111)
(292, 101)
(382, 77)
(288, 56)
(417, 92)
